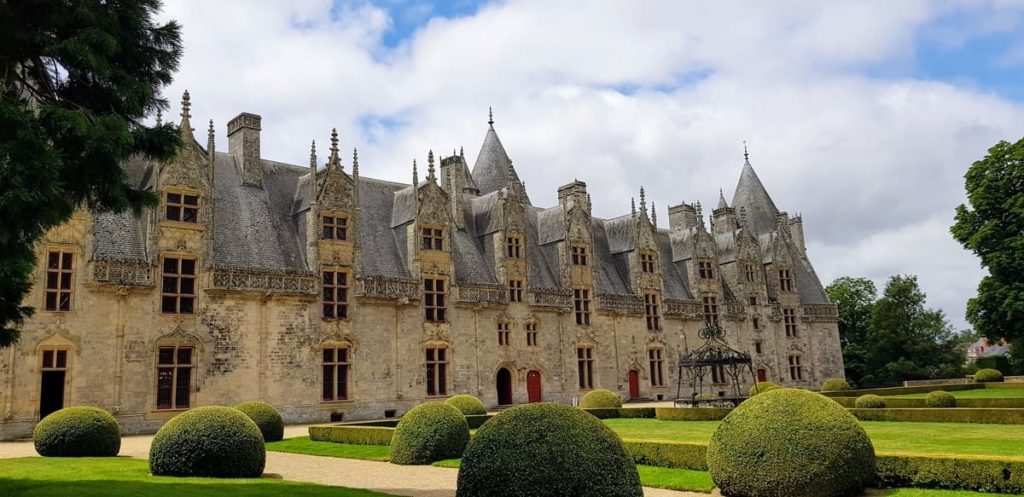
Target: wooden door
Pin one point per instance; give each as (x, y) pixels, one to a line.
(634, 384)
(533, 390)
(762, 375)
(504, 387)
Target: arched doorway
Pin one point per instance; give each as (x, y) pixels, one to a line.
(504, 387)
(634, 384)
(533, 389)
(762, 375)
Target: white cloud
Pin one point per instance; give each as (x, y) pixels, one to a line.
(875, 164)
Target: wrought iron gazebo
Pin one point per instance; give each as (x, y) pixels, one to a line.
(713, 354)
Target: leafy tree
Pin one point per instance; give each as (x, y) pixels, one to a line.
(906, 340)
(991, 225)
(855, 298)
(76, 78)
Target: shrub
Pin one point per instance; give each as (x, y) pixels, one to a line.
(355, 435)
(669, 454)
(706, 396)
(691, 414)
(208, 441)
(77, 432)
(600, 398)
(762, 387)
(468, 405)
(940, 398)
(988, 375)
(266, 417)
(429, 432)
(835, 385)
(943, 415)
(791, 442)
(870, 401)
(996, 474)
(547, 450)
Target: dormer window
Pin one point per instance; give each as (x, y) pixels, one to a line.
(432, 239)
(749, 272)
(785, 280)
(514, 247)
(182, 207)
(648, 262)
(579, 255)
(334, 227)
(706, 270)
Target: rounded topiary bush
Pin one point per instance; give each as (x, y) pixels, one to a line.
(467, 404)
(762, 387)
(988, 376)
(266, 417)
(869, 401)
(600, 398)
(547, 450)
(208, 441)
(793, 443)
(77, 432)
(429, 432)
(940, 398)
(835, 385)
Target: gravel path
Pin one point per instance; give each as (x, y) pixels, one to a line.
(412, 481)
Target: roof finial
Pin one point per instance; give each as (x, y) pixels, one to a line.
(643, 202)
(415, 176)
(430, 166)
(334, 140)
(355, 161)
(632, 206)
(654, 216)
(186, 106)
(490, 116)
(210, 138)
(746, 155)
(312, 156)
(461, 152)
(721, 200)
(159, 117)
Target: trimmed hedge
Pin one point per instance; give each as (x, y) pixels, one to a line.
(870, 401)
(762, 387)
(905, 390)
(600, 398)
(982, 475)
(212, 441)
(621, 412)
(940, 398)
(547, 450)
(266, 417)
(429, 432)
(835, 385)
(356, 435)
(988, 376)
(467, 404)
(77, 432)
(791, 442)
(915, 403)
(943, 415)
(691, 413)
(669, 454)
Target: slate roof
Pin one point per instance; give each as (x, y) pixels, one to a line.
(752, 196)
(490, 172)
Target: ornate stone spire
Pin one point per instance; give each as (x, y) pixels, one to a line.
(490, 116)
(721, 200)
(186, 125)
(632, 206)
(335, 159)
(643, 202)
(654, 216)
(510, 174)
(210, 139)
(355, 162)
(312, 157)
(415, 175)
(430, 167)
(159, 117)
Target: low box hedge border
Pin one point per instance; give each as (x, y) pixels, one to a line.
(906, 390)
(912, 403)
(980, 475)
(692, 413)
(668, 454)
(621, 412)
(943, 415)
(351, 434)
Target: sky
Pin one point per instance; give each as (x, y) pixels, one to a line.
(863, 116)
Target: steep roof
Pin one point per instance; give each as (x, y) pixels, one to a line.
(492, 167)
(752, 197)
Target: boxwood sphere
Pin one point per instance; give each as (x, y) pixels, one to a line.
(208, 441)
(869, 401)
(600, 398)
(793, 443)
(762, 387)
(988, 375)
(429, 432)
(835, 385)
(77, 432)
(940, 398)
(467, 404)
(547, 450)
(266, 417)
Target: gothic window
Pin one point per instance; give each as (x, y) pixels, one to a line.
(796, 370)
(434, 299)
(59, 273)
(758, 347)
(514, 246)
(581, 303)
(718, 374)
(711, 310)
(785, 280)
(432, 239)
(585, 367)
(648, 262)
(515, 290)
(437, 371)
(334, 227)
(657, 364)
(579, 255)
(55, 359)
(652, 311)
(749, 272)
(789, 318)
(706, 270)
(531, 334)
(504, 333)
(752, 300)
(179, 285)
(174, 377)
(335, 288)
(336, 363)
(183, 207)
(756, 322)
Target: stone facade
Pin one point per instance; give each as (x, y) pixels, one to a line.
(517, 295)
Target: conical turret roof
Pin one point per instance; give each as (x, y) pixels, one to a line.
(492, 168)
(752, 196)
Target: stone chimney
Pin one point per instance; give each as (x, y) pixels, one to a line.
(796, 230)
(682, 216)
(574, 193)
(244, 145)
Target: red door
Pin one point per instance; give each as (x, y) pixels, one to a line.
(762, 375)
(533, 391)
(634, 384)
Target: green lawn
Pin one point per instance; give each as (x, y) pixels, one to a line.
(303, 445)
(887, 436)
(983, 393)
(123, 477)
